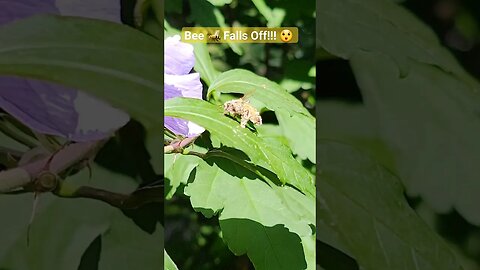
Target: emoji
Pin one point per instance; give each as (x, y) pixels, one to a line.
(286, 35)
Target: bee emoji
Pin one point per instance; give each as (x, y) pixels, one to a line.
(214, 37)
(242, 107)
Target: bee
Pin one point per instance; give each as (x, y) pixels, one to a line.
(214, 37)
(242, 107)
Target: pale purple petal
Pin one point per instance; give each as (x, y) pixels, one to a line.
(108, 10)
(189, 84)
(53, 109)
(177, 125)
(50, 109)
(179, 82)
(44, 108)
(179, 57)
(11, 10)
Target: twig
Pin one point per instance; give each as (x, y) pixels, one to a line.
(33, 177)
(65, 158)
(178, 146)
(134, 200)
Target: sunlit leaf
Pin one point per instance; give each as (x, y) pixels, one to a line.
(277, 99)
(273, 157)
(255, 219)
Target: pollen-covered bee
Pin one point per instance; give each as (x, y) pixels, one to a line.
(242, 107)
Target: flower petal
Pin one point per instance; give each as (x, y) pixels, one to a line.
(53, 109)
(189, 84)
(11, 10)
(179, 57)
(177, 125)
(96, 119)
(50, 109)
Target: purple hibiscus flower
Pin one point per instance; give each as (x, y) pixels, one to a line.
(179, 82)
(53, 109)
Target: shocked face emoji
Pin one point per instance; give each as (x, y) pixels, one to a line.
(286, 35)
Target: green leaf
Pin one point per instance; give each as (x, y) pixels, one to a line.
(273, 16)
(203, 63)
(59, 235)
(114, 62)
(177, 171)
(125, 246)
(363, 204)
(255, 218)
(220, 2)
(383, 27)
(427, 105)
(169, 263)
(288, 109)
(300, 132)
(64, 228)
(270, 131)
(352, 124)
(273, 157)
(421, 117)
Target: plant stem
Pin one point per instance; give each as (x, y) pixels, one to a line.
(178, 146)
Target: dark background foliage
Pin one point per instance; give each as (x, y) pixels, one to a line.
(457, 24)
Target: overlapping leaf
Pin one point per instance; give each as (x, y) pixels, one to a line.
(382, 26)
(106, 59)
(255, 218)
(289, 109)
(426, 104)
(272, 157)
(70, 225)
(362, 204)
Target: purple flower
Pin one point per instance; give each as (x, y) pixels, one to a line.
(179, 82)
(53, 109)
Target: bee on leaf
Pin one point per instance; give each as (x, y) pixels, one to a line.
(242, 107)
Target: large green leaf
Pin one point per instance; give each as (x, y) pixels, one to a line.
(430, 120)
(125, 246)
(59, 235)
(289, 110)
(382, 26)
(255, 218)
(425, 104)
(109, 60)
(352, 124)
(274, 157)
(63, 229)
(363, 205)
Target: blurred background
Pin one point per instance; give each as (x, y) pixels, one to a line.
(457, 25)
